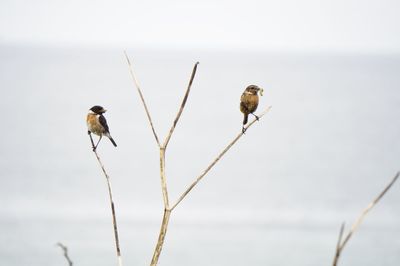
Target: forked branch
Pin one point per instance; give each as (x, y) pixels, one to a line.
(341, 244)
(163, 147)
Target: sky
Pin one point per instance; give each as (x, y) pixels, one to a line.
(308, 25)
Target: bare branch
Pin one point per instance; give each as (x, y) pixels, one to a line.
(142, 98)
(65, 251)
(178, 115)
(114, 219)
(217, 159)
(357, 223)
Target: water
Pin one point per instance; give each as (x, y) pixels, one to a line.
(328, 146)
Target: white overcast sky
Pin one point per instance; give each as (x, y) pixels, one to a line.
(300, 25)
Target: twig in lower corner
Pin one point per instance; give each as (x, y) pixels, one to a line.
(65, 251)
(341, 244)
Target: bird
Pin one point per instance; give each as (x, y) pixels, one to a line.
(97, 124)
(249, 102)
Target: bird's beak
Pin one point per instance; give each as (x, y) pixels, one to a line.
(104, 110)
(261, 91)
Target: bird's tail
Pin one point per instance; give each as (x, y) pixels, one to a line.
(245, 119)
(112, 140)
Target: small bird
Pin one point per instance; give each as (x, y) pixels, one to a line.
(97, 124)
(249, 102)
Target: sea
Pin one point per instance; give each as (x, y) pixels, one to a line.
(328, 146)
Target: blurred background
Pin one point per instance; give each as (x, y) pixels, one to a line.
(329, 145)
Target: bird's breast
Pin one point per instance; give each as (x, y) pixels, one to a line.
(94, 125)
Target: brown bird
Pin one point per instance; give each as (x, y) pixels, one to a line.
(249, 102)
(97, 124)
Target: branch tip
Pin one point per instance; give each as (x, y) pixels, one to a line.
(65, 252)
(357, 223)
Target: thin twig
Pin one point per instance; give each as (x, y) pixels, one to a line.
(114, 219)
(337, 254)
(142, 98)
(65, 251)
(357, 223)
(217, 159)
(178, 115)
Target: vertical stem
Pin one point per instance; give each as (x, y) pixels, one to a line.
(161, 237)
(163, 178)
(167, 211)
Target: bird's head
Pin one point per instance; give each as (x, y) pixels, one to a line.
(97, 109)
(254, 89)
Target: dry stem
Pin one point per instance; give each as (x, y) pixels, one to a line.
(65, 251)
(356, 224)
(161, 237)
(167, 209)
(163, 178)
(114, 219)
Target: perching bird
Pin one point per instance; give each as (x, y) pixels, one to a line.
(249, 102)
(97, 124)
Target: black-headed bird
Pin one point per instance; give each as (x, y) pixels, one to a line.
(97, 124)
(249, 102)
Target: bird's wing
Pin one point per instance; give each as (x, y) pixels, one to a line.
(103, 122)
(246, 98)
(243, 97)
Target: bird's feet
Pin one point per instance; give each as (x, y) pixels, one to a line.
(257, 118)
(244, 130)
